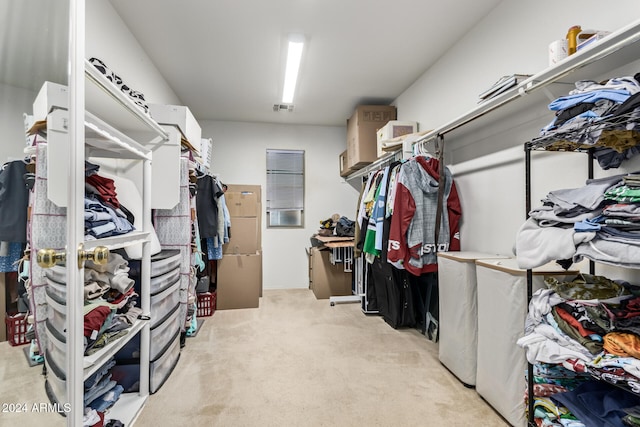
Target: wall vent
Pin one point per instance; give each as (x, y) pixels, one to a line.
(282, 107)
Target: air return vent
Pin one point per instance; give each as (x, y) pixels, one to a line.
(282, 107)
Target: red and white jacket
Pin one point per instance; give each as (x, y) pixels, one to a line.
(411, 242)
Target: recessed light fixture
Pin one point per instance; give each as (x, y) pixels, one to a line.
(294, 55)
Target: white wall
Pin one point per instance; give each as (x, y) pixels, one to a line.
(109, 39)
(239, 156)
(489, 172)
(14, 102)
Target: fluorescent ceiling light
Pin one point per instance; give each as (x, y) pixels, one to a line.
(294, 55)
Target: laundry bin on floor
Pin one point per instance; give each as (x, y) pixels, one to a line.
(458, 310)
(502, 309)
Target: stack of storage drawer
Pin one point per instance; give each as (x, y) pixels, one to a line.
(164, 324)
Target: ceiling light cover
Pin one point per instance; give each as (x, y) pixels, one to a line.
(294, 56)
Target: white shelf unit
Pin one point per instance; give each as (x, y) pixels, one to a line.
(102, 140)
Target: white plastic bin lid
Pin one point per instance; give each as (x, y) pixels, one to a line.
(510, 265)
(469, 256)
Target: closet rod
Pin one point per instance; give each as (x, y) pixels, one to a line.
(378, 164)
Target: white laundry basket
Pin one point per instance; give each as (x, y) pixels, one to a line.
(458, 324)
(502, 309)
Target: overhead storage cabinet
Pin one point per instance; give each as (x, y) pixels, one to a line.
(362, 127)
(502, 309)
(458, 325)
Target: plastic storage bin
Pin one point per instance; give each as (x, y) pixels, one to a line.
(164, 303)
(502, 309)
(56, 289)
(206, 304)
(16, 328)
(56, 346)
(128, 374)
(56, 381)
(162, 282)
(458, 324)
(161, 368)
(162, 334)
(57, 313)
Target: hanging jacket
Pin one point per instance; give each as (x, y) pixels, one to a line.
(411, 242)
(207, 207)
(14, 198)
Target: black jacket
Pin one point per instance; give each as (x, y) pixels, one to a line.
(14, 199)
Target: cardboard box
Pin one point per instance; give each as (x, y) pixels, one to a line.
(181, 117)
(239, 281)
(245, 236)
(361, 133)
(393, 129)
(243, 200)
(326, 279)
(344, 169)
(51, 96)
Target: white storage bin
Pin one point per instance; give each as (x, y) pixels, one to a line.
(162, 334)
(57, 290)
(56, 347)
(56, 381)
(458, 323)
(164, 261)
(181, 117)
(161, 368)
(502, 309)
(163, 303)
(162, 282)
(57, 314)
(51, 96)
(57, 273)
(393, 129)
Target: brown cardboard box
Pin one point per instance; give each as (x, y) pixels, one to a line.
(245, 236)
(326, 279)
(239, 281)
(344, 169)
(361, 133)
(243, 200)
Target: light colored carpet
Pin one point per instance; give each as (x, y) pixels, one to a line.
(295, 361)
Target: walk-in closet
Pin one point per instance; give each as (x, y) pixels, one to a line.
(290, 213)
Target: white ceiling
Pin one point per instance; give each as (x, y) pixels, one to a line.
(225, 58)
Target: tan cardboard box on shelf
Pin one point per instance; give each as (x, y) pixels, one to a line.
(326, 279)
(239, 281)
(362, 146)
(344, 169)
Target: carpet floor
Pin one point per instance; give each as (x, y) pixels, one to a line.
(295, 361)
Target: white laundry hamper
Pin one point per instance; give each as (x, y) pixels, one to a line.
(502, 309)
(458, 312)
